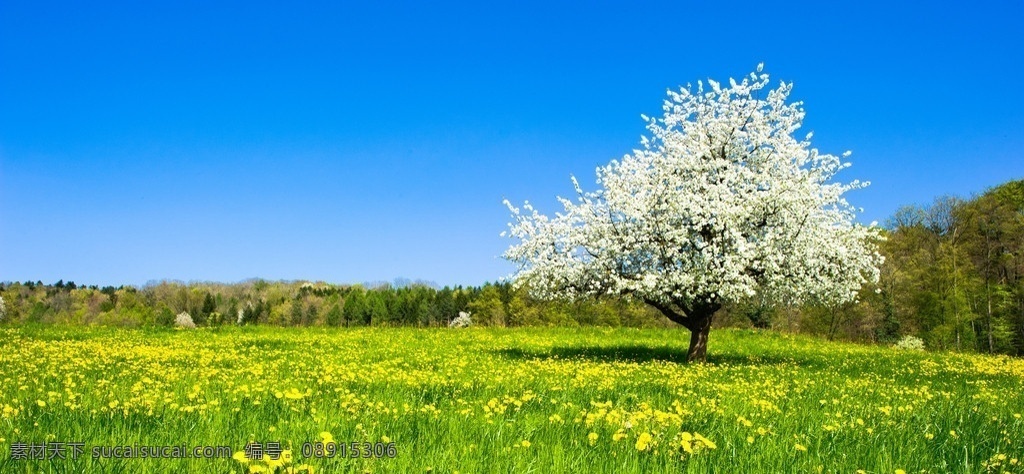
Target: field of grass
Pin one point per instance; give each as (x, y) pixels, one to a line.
(504, 400)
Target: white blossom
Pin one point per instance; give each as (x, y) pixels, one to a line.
(720, 203)
(462, 321)
(910, 343)
(184, 320)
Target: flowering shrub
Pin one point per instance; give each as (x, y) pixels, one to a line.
(462, 321)
(184, 320)
(910, 343)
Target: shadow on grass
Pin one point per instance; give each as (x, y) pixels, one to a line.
(642, 354)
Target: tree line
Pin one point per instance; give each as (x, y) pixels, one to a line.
(953, 275)
(284, 303)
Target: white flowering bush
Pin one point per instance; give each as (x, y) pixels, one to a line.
(910, 343)
(462, 321)
(3, 309)
(720, 203)
(184, 320)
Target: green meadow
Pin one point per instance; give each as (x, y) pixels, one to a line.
(498, 400)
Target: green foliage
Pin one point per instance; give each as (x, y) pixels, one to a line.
(215, 319)
(334, 315)
(165, 316)
(355, 310)
(296, 314)
(488, 308)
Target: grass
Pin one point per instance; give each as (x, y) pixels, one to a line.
(507, 400)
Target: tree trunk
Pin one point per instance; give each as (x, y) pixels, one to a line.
(699, 339)
(697, 318)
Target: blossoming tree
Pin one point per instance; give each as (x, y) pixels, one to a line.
(720, 203)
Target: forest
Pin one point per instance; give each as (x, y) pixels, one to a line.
(953, 276)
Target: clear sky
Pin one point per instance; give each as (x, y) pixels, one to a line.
(358, 142)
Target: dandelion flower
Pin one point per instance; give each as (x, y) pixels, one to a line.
(706, 442)
(643, 441)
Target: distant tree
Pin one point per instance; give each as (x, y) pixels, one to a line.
(295, 318)
(165, 316)
(488, 309)
(209, 306)
(311, 314)
(442, 308)
(354, 310)
(334, 315)
(376, 307)
(253, 312)
(232, 314)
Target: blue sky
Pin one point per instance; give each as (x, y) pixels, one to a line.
(358, 142)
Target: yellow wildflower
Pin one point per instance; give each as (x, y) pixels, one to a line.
(706, 442)
(643, 441)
